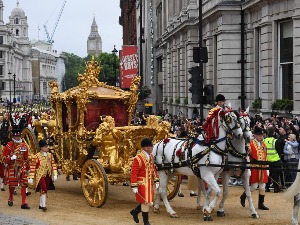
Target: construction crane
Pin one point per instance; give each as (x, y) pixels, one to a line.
(50, 37)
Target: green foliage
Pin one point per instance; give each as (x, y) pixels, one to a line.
(186, 101)
(177, 100)
(257, 104)
(76, 65)
(145, 92)
(283, 104)
(171, 100)
(166, 99)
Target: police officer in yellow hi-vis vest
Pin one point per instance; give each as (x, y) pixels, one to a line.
(273, 159)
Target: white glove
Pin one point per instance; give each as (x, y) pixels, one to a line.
(135, 190)
(268, 172)
(29, 125)
(55, 178)
(14, 157)
(156, 185)
(30, 181)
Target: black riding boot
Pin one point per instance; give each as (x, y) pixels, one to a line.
(243, 199)
(145, 218)
(261, 199)
(135, 213)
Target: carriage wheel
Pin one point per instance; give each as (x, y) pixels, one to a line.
(30, 140)
(94, 183)
(173, 187)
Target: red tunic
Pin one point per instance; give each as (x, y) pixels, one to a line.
(16, 170)
(259, 153)
(143, 176)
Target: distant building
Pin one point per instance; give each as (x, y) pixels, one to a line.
(47, 65)
(94, 42)
(15, 56)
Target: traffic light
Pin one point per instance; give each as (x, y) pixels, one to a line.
(209, 93)
(195, 82)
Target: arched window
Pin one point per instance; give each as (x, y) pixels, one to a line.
(17, 32)
(17, 21)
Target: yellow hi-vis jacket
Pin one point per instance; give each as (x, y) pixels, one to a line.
(272, 154)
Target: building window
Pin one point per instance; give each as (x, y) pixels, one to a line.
(1, 70)
(1, 39)
(1, 54)
(17, 32)
(285, 46)
(258, 60)
(17, 21)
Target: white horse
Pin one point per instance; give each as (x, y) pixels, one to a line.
(293, 195)
(196, 160)
(237, 152)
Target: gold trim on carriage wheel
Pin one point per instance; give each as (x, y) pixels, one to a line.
(91, 132)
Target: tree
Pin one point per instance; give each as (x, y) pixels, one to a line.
(76, 64)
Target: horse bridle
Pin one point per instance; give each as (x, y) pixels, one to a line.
(229, 130)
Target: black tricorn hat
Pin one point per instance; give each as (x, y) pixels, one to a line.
(43, 143)
(258, 130)
(220, 98)
(146, 142)
(16, 132)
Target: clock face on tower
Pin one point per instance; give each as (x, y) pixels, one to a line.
(92, 45)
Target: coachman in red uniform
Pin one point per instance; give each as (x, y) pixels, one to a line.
(143, 179)
(15, 157)
(258, 152)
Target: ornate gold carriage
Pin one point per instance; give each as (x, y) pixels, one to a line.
(93, 137)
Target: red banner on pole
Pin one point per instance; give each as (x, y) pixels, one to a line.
(128, 65)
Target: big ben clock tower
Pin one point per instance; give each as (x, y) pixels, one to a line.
(94, 42)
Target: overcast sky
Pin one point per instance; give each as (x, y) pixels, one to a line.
(75, 23)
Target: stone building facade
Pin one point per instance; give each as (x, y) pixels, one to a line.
(47, 65)
(271, 38)
(15, 56)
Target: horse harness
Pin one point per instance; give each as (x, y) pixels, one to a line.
(191, 161)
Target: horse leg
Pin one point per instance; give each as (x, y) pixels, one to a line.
(245, 179)
(296, 209)
(156, 201)
(211, 181)
(163, 182)
(225, 179)
(200, 188)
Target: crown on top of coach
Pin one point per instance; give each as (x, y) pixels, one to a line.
(91, 74)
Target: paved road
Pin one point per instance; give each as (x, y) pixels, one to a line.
(19, 220)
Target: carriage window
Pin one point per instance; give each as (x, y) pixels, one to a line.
(65, 122)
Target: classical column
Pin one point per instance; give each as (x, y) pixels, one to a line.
(296, 56)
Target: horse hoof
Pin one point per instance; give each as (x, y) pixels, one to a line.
(207, 218)
(254, 216)
(174, 215)
(220, 213)
(156, 210)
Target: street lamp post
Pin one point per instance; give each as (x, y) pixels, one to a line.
(115, 68)
(9, 73)
(14, 76)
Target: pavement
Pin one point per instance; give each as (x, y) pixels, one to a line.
(19, 220)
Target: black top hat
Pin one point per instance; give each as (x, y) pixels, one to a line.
(42, 143)
(16, 132)
(258, 131)
(146, 142)
(220, 98)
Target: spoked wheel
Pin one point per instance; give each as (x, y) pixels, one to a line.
(173, 187)
(94, 183)
(30, 140)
